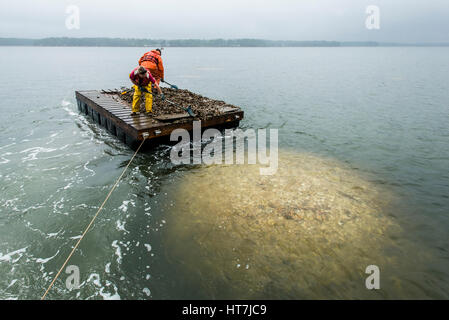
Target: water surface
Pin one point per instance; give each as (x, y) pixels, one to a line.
(380, 114)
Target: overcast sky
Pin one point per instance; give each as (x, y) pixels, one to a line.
(344, 20)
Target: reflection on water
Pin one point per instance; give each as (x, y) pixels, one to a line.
(309, 231)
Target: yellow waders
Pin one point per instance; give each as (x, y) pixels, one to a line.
(148, 99)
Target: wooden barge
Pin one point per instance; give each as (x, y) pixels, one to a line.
(113, 114)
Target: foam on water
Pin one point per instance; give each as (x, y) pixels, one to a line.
(13, 256)
(147, 291)
(65, 103)
(120, 225)
(42, 260)
(118, 251)
(110, 296)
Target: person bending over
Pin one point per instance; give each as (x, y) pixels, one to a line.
(142, 80)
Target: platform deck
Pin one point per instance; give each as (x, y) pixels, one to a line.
(114, 115)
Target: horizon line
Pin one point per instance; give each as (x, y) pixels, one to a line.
(225, 42)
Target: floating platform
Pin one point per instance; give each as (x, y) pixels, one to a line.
(109, 109)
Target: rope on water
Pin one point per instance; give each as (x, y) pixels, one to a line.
(93, 219)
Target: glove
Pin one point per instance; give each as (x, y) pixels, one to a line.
(142, 89)
(162, 97)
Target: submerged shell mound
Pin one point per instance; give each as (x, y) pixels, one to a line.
(203, 107)
(312, 224)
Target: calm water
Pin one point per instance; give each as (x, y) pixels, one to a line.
(382, 113)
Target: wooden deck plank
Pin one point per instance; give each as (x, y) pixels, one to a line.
(171, 117)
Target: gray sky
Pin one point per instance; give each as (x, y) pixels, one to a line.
(344, 20)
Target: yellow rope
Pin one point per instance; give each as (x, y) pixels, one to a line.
(92, 221)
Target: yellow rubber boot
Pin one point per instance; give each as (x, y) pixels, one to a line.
(136, 99)
(148, 99)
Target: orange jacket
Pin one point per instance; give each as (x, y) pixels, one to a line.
(152, 61)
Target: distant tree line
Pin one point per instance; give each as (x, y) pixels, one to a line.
(120, 42)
